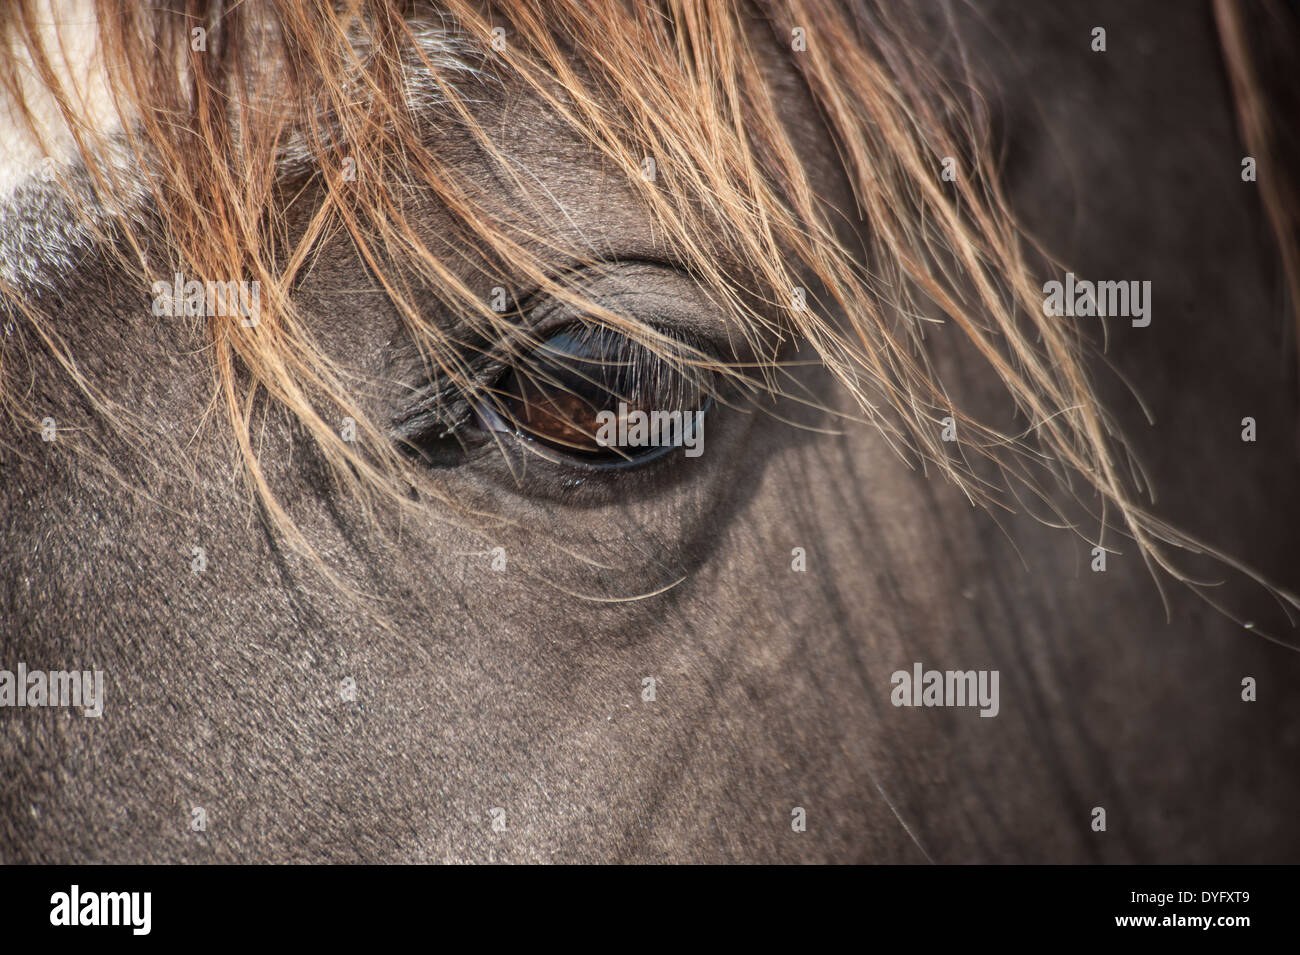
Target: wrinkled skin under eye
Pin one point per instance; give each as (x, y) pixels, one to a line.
(590, 395)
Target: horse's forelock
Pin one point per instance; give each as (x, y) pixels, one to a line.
(689, 89)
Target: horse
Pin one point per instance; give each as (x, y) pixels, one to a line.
(311, 309)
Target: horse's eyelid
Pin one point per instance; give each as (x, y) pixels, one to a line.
(443, 408)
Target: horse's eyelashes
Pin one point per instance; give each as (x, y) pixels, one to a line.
(592, 396)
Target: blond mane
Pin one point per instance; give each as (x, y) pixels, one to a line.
(337, 99)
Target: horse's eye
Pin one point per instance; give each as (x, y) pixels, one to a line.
(591, 395)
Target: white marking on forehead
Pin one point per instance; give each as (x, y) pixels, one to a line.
(67, 30)
(40, 187)
(43, 224)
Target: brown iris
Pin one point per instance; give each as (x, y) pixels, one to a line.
(557, 395)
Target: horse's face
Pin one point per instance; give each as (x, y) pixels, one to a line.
(512, 667)
(661, 662)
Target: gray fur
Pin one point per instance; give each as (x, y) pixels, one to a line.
(495, 690)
